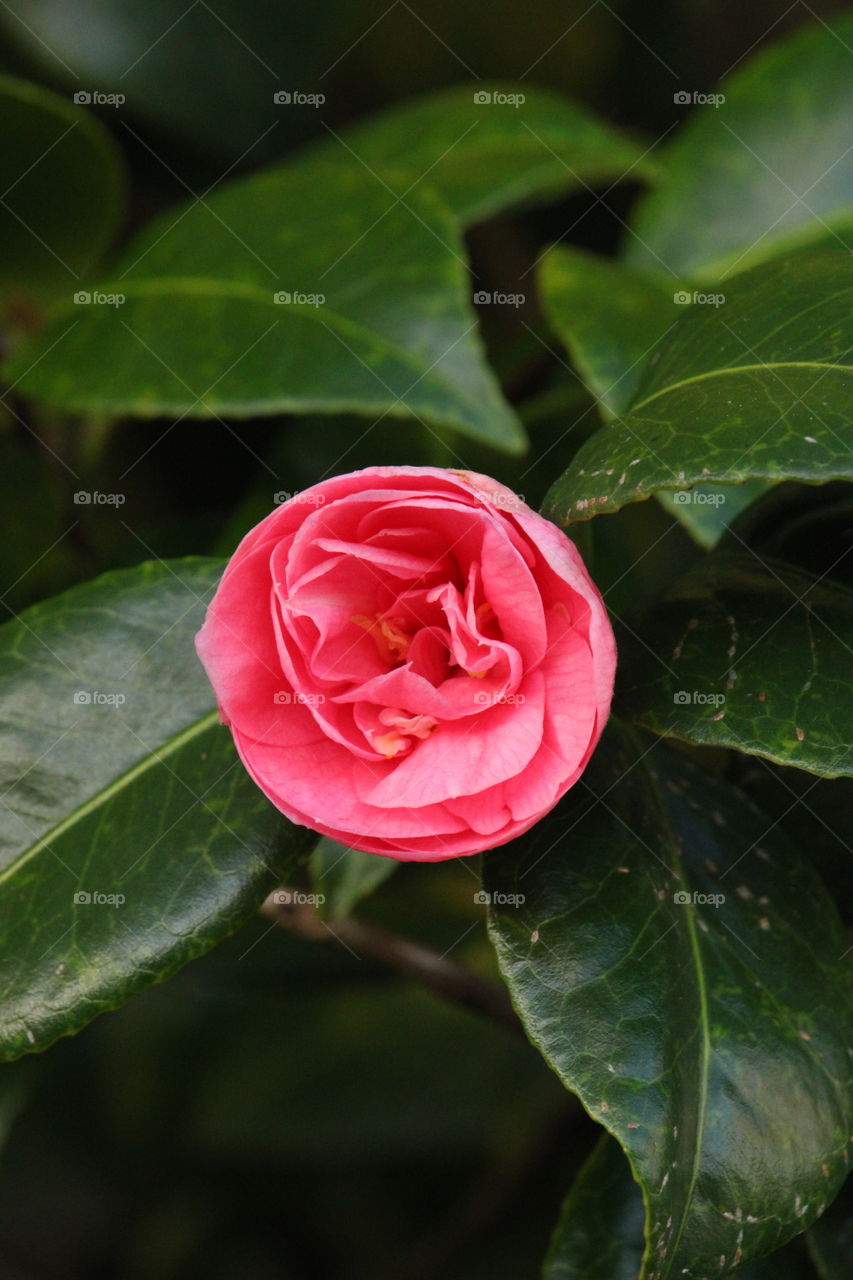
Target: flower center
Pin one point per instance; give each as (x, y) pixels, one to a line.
(401, 729)
(389, 634)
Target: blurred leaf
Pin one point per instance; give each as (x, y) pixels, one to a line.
(485, 152)
(750, 655)
(62, 186)
(830, 1241)
(345, 876)
(204, 73)
(682, 971)
(610, 319)
(118, 783)
(373, 313)
(766, 172)
(710, 509)
(759, 387)
(600, 1232)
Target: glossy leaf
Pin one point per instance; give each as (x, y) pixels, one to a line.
(132, 839)
(345, 876)
(766, 171)
(682, 970)
(373, 312)
(486, 151)
(757, 387)
(62, 184)
(600, 1232)
(610, 319)
(748, 654)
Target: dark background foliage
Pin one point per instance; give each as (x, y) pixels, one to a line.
(281, 1108)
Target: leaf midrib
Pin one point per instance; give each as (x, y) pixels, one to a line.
(731, 371)
(150, 761)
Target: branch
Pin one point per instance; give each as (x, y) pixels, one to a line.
(411, 959)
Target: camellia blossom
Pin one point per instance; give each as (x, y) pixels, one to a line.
(410, 660)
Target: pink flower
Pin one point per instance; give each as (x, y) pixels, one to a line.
(411, 661)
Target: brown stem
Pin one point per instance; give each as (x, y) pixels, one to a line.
(441, 975)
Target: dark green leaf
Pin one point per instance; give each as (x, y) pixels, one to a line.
(344, 876)
(748, 654)
(758, 387)
(118, 782)
(486, 151)
(765, 172)
(62, 188)
(600, 1232)
(609, 318)
(379, 319)
(682, 970)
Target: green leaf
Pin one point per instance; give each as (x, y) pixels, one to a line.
(62, 186)
(118, 782)
(610, 319)
(485, 151)
(600, 1232)
(710, 1037)
(344, 876)
(758, 387)
(766, 172)
(747, 654)
(387, 327)
(710, 509)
